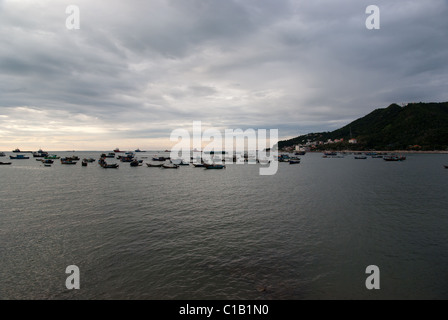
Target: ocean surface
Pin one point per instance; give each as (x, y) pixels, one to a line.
(307, 232)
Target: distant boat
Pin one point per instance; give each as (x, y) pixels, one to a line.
(2, 154)
(215, 166)
(40, 154)
(138, 150)
(360, 157)
(181, 163)
(170, 166)
(5, 163)
(135, 163)
(394, 158)
(117, 150)
(84, 163)
(155, 165)
(16, 150)
(104, 164)
(110, 155)
(18, 157)
(47, 161)
(294, 161)
(67, 161)
(47, 165)
(160, 159)
(74, 158)
(88, 160)
(110, 166)
(198, 165)
(299, 153)
(52, 156)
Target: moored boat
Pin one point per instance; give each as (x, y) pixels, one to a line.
(160, 158)
(446, 167)
(67, 161)
(135, 163)
(394, 158)
(294, 161)
(2, 154)
(18, 157)
(110, 166)
(52, 156)
(215, 166)
(198, 165)
(84, 163)
(5, 163)
(154, 165)
(170, 166)
(360, 157)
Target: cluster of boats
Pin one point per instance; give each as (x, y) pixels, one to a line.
(363, 156)
(288, 158)
(167, 163)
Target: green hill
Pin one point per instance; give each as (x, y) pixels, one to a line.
(422, 126)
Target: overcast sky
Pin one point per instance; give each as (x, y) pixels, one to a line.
(138, 69)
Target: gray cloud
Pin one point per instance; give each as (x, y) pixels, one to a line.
(139, 69)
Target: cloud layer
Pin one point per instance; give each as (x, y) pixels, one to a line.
(136, 70)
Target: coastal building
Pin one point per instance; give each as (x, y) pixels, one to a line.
(353, 141)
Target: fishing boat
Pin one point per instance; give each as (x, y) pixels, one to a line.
(17, 150)
(360, 157)
(127, 159)
(73, 159)
(47, 161)
(47, 165)
(110, 166)
(154, 165)
(170, 166)
(67, 161)
(198, 165)
(2, 154)
(294, 161)
(394, 158)
(40, 154)
(135, 163)
(88, 160)
(117, 150)
(5, 163)
(160, 158)
(215, 166)
(180, 163)
(104, 164)
(18, 157)
(52, 156)
(84, 163)
(110, 155)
